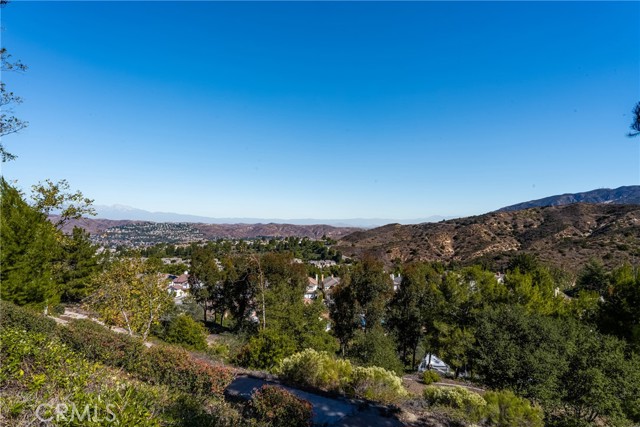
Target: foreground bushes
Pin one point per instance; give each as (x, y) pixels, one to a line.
(176, 367)
(40, 370)
(168, 365)
(96, 342)
(275, 406)
(430, 377)
(377, 383)
(318, 370)
(501, 409)
(505, 409)
(23, 318)
(469, 403)
(323, 371)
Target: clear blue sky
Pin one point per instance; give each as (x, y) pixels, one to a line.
(325, 110)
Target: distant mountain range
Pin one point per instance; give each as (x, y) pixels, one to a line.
(149, 230)
(565, 236)
(629, 195)
(121, 212)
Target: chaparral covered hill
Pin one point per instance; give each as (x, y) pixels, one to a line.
(566, 236)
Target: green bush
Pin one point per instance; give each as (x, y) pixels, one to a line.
(430, 377)
(12, 316)
(266, 350)
(176, 368)
(316, 369)
(470, 403)
(375, 383)
(276, 406)
(185, 331)
(323, 371)
(505, 409)
(96, 342)
(39, 369)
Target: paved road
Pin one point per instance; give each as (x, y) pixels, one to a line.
(326, 411)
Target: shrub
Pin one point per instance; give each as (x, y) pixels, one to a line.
(185, 331)
(12, 316)
(470, 403)
(430, 377)
(266, 350)
(40, 369)
(378, 384)
(316, 369)
(176, 368)
(98, 343)
(505, 409)
(276, 406)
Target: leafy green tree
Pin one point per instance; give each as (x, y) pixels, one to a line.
(534, 290)
(344, 314)
(130, 295)
(407, 308)
(28, 252)
(595, 385)
(372, 289)
(375, 348)
(593, 277)
(56, 197)
(312, 332)
(521, 351)
(620, 309)
(204, 277)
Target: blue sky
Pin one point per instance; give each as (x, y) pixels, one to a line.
(325, 110)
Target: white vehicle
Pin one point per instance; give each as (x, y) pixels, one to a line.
(434, 363)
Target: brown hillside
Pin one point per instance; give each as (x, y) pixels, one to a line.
(565, 236)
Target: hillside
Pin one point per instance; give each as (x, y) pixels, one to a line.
(629, 195)
(565, 236)
(170, 232)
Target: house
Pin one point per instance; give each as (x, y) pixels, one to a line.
(182, 280)
(323, 263)
(329, 282)
(312, 288)
(178, 291)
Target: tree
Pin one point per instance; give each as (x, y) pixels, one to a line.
(204, 276)
(78, 265)
(9, 123)
(344, 314)
(635, 125)
(524, 352)
(372, 289)
(620, 310)
(29, 248)
(49, 197)
(131, 296)
(406, 310)
(376, 348)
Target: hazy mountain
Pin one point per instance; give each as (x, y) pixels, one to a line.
(566, 236)
(122, 212)
(629, 195)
